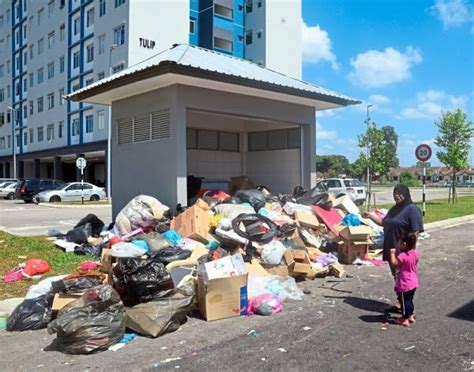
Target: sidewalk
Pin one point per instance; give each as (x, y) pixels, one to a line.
(450, 222)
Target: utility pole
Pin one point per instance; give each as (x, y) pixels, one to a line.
(14, 113)
(369, 189)
(109, 134)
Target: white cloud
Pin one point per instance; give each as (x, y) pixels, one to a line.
(431, 103)
(325, 113)
(379, 99)
(453, 13)
(317, 46)
(375, 68)
(322, 134)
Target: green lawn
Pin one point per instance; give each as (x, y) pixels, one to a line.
(12, 246)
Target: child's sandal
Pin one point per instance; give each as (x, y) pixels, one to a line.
(403, 322)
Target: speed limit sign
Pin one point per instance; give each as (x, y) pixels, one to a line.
(423, 152)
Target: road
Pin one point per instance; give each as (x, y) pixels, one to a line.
(19, 218)
(384, 195)
(335, 328)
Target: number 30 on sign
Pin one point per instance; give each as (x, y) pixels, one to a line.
(423, 152)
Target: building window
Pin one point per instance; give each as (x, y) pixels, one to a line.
(32, 135)
(223, 44)
(119, 35)
(50, 70)
(90, 52)
(25, 31)
(118, 68)
(77, 26)
(100, 75)
(90, 17)
(259, 3)
(259, 34)
(8, 66)
(50, 101)
(50, 132)
(31, 78)
(223, 11)
(40, 75)
(75, 127)
(60, 129)
(2, 95)
(8, 91)
(25, 111)
(40, 46)
(248, 37)
(39, 104)
(2, 143)
(31, 106)
(25, 139)
(2, 71)
(248, 6)
(61, 96)
(50, 40)
(89, 81)
(62, 4)
(100, 120)
(17, 88)
(40, 15)
(192, 25)
(25, 58)
(31, 51)
(101, 8)
(119, 2)
(101, 44)
(89, 123)
(25, 84)
(61, 64)
(62, 32)
(75, 60)
(40, 134)
(50, 8)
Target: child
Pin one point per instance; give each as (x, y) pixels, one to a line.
(406, 281)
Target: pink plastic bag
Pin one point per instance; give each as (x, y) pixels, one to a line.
(36, 266)
(13, 275)
(264, 304)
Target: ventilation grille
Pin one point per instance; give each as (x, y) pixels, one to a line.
(144, 127)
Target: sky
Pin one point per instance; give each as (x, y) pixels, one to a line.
(410, 59)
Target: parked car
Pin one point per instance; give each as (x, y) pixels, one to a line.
(71, 192)
(29, 187)
(346, 186)
(8, 190)
(4, 181)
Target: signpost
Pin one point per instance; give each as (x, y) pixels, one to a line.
(423, 153)
(81, 164)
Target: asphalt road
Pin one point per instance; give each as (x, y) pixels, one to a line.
(384, 195)
(335, 328)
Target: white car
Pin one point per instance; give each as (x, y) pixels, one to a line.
(71, 192)
(346, 186)
(7, 190)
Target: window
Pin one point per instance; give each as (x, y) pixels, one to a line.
(25, 31)
(60, 129)
(100, 120)
(77, 26)
(25, 138)
(50, 101)
(75, 60)
(61, 96)
(119, 35)
(50, 132)
(39, 104)
(40, 46)
(40, 75)
(101, 8)
(2, 143)
(50, 70)
(25, 84)
(119, 2)
(118, 68)
(90, 17)
(259, 3)
(192, 25)
(2, 94)
(223, 11)
(62, 32)
(31, 106)
(50, 8)
(248, 37)
(17, 88)
(40, 15)
(248, 6)
(8, 66)
(259, 34)
(90, 52)
(30, 21)
(9, 141)
(100, 75)
(8, 91)
(61, 64)
(223, 44)
(50, 40)
(25, 111)
(333, 183)
(75, 127)
(31, 51)
(1, 25)
(89, 81)
(89, 123)
(32, 135)
(62, 4)
(101, 44)
(25, 58)
(2, 71)
(31, 78)
(40, 134)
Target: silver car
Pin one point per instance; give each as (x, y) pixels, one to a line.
(71, 192)
(346, 186)
(7, 190)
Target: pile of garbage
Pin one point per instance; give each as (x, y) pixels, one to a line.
(224, 256)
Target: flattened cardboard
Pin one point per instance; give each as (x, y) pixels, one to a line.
(296, 240)
(307, 219)
(60, 300)
(349, 250)
(361, 232)
(255, 268)
(345, 202)
(298, 261)
(222, 298)
(330, 218)
(106, 260)
(193, 223)
(279, 270)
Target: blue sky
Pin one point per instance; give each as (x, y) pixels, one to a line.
(410, 59)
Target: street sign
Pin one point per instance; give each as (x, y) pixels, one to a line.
(81, 163)
(423, 152)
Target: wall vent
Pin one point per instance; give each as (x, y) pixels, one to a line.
(144, 127)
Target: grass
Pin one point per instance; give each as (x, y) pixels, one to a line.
(439, 209)
(12, 246)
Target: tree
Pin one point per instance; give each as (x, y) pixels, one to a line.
(332, 165)
(391, 137)
(408, 179)
(454, 141)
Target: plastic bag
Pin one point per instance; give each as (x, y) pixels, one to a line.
(264, 304)
(77, 283)
(231, 211)
(34, 313)
(258, 228)
(79, 234)
(124, 249)
(142, 211)
(163, 314)
(43, 287)
(351, 219)
(95, 222)
(283, 287)
(272, 252)
(138, 280)
(172, 236)
(254, 197)
(167, 255)
(88, 250)
(155, 241)
(36, 267)
(92, 323)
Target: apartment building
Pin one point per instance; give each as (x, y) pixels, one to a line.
(49, 48)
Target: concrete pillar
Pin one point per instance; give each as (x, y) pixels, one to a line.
(21, 169)
(78, 171)
(37, 169)
(7, 170)
(57, 168)
(105, 171)
(2, 171)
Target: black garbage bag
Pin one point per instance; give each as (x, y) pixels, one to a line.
(164, 314)
(257, 228)
(254, 197)
(212, 202)
(96, 224)
(138, 280)
(79, 234)
(75, 284)
(298, 191)
(91, 324)
(88, 250)
(193, 184)
(167, 255)
(232, 200)
(316, 196)
(34, 313)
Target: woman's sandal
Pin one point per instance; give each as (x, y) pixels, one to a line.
(403, 322)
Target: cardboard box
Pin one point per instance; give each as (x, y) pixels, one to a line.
(345, 202)
(193, 223)
(60, 300)
(349, 250)
(239, 183)
(106, 260)
(223, 298)
(279, 270)
(307, 219)
(298, 262)
(255, 268)
(295, 240)
(225, 267)
(361, 232)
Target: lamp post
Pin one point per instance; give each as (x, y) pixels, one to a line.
(14, 112)
(109, 134)
(367, 121)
